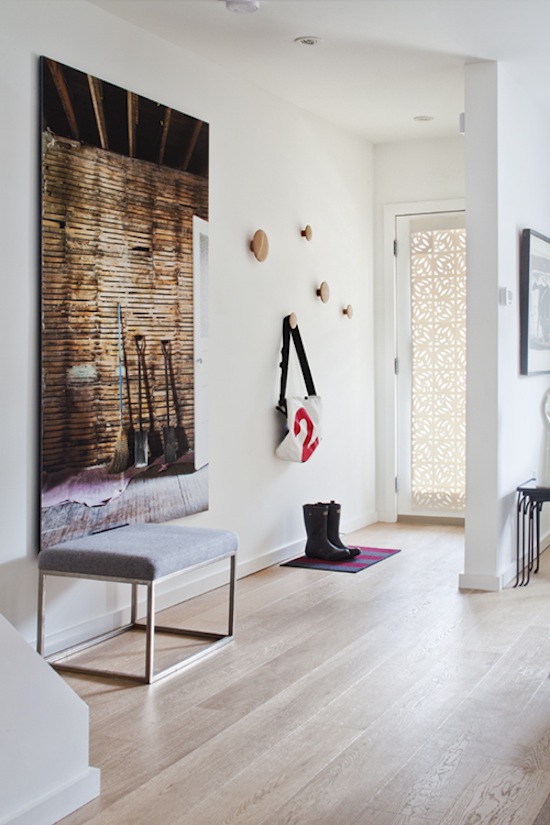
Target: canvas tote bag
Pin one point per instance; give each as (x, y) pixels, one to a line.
(303, 414)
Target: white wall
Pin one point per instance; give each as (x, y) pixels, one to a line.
(272, 167)
(419, 171)
(524, 202)
(508, 186)
(44, 739)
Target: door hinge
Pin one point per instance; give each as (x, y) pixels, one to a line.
(395, 247)
(396, 484)
(396, 365)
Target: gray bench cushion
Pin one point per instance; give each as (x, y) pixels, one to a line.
(139, 551)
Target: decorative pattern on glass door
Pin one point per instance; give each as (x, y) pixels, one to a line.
(438, 320)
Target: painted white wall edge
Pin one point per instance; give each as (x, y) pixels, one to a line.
(44, 753)
(60, 802)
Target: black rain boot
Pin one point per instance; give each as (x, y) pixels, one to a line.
(333, 529)
(318, 545)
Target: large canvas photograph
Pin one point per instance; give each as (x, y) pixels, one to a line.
(124, 307)
(535, 303)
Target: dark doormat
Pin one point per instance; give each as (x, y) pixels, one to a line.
(367, 557)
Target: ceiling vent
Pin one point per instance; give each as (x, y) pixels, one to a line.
(242, 6)
(307, 41)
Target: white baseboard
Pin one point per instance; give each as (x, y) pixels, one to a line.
(350, 525)
(59, 803)
(511, 572)
(288, 551)
(475, 581)
(201, 581)
(216, 576)
(472, 581)
(194, 584)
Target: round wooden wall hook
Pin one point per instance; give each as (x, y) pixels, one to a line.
(324, 292)
(348, 311)
(293, 320)
(260, 245)
(307, 233)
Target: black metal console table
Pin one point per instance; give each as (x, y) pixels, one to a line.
(529, 504)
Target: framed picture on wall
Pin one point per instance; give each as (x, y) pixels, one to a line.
(124, 180)
(534, 303)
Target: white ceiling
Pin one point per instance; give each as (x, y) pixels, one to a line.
(379, 63)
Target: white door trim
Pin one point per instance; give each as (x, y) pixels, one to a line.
(200, 335)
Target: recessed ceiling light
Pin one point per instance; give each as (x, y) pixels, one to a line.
(423, 118)
(307, 41)
(243, 6)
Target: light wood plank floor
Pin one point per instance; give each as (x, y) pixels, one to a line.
(386, 697)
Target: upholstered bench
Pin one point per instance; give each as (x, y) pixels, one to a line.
(138, 554)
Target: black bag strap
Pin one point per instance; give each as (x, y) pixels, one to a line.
(302, 357)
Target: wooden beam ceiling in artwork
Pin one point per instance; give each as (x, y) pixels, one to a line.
(62, 90)
(97, 101)
(191, 146)
(133, 118)
(164, 136)
(94, 112)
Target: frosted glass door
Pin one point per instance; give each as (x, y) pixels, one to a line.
(431, 364)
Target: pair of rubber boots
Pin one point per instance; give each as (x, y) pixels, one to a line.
(323, 533)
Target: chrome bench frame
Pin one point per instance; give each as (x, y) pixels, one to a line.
(216, 640)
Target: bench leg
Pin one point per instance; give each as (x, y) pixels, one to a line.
(135, 594)
(232, 579)
(150, 634)
(59, 660)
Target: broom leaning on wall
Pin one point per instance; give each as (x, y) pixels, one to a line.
(121, 454)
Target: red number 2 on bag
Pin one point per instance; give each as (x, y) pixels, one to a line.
(308, 446)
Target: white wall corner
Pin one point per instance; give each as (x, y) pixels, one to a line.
(43, 739)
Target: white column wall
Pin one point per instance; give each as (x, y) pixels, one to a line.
(480, 565)
(507, 185)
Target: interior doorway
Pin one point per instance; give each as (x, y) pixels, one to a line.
(430, 364)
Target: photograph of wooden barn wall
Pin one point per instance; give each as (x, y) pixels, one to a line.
(122, 181)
